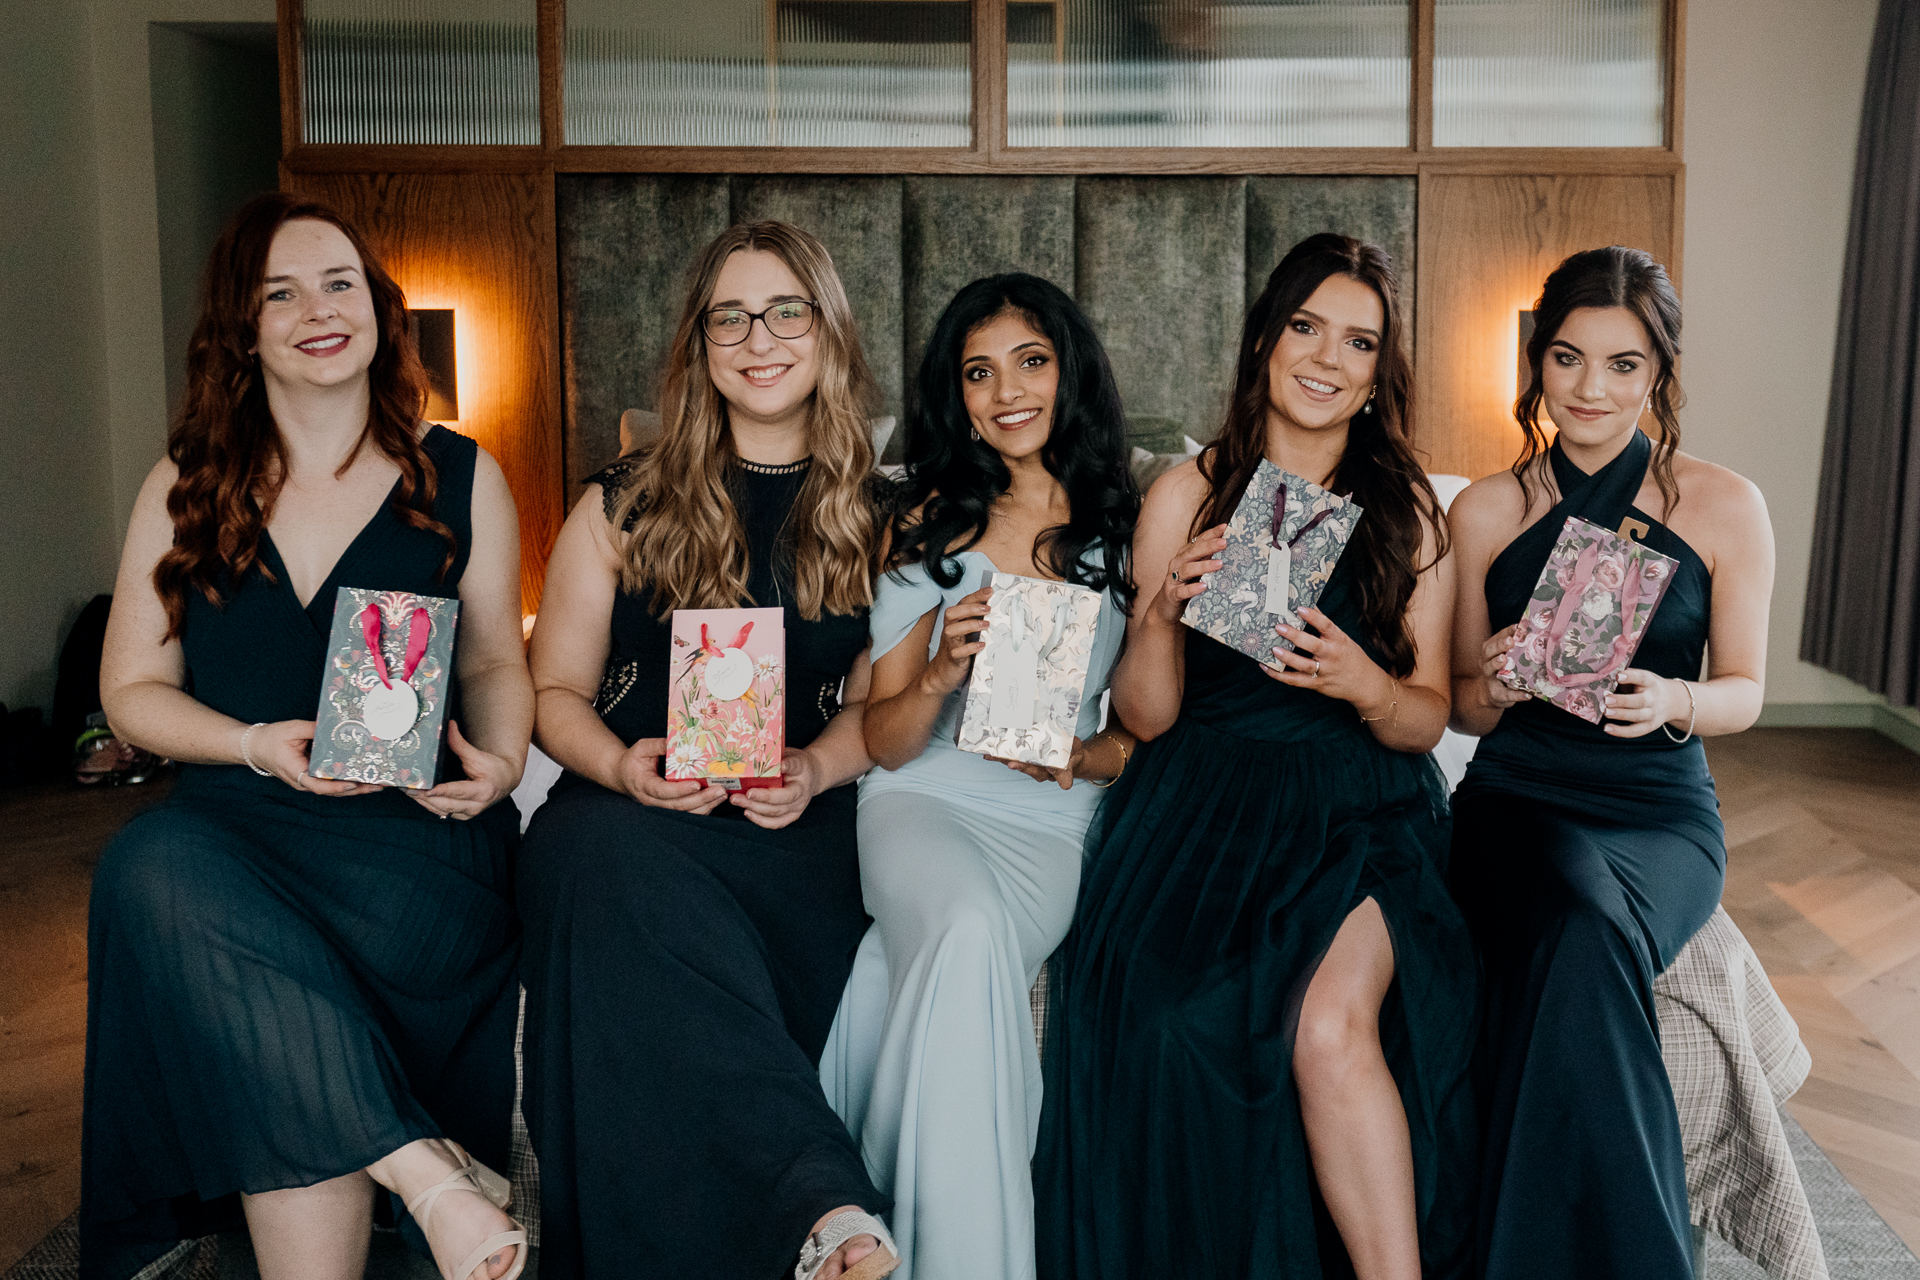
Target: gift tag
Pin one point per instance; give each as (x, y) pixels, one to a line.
(1279, 578)
(390, 710)
(729, 674)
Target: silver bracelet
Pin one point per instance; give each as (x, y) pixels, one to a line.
(247, 755)
(1693, 710)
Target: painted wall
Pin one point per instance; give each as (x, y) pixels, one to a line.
(59, 526)
(1773, 92)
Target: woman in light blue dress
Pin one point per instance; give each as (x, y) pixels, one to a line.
(970, 866)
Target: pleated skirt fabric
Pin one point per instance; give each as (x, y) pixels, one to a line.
(284, 988)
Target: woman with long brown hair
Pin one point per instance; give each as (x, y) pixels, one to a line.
(301, 988)
(1586, 854)
(687, 944)
(1264, 1009)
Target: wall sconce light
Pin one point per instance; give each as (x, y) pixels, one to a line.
(1523, 375)
(433, 335)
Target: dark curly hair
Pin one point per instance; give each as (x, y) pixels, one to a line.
(953, 478)
(1378, 469)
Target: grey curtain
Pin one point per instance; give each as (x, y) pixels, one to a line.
(1863, 595)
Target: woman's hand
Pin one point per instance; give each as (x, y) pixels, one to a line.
(1493, 660)
(962, 634)
(1182, 582)
(640, 777)
(1331, 663)
(489, 780)
(1659, 701)
(284, 749)
(1040, 773)
(775, 807)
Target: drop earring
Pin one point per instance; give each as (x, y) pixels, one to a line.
(1368, 406)
(976, 433)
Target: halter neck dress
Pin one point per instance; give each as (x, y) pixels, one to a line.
(1221, 866)
(283, 987)
(682, 972)
(970, 870)
(1584, 862)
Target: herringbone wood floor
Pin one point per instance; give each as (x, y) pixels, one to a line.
(1823, 833)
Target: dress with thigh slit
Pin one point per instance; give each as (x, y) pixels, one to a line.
(1221, 866)
(285, 987)
(682, 972)
(970, 871)
(1584, 862)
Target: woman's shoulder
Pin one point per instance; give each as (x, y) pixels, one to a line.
(1719, 488)
(1720, 511)
(1176, 495)
(1491, 502)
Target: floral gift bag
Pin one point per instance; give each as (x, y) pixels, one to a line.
(1593, 603)
(1282, 544)
(383, 701)
(1023, 699)
(726, 697)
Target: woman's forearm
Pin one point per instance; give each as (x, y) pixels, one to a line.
(1410, 718)
(1150, 678)
(170, 722)
(896, 729)
(840, 752)
(568, 729)
(497, 710)
(1724, 704)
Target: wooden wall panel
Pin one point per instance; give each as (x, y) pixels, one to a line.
(483, 245)
(1486, 245)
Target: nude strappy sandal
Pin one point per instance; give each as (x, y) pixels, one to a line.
(476, 1179)
(834, 1233)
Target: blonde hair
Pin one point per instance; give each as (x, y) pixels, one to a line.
(687, 541)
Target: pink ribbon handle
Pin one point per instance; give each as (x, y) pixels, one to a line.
(1576, 591)
(419, 627)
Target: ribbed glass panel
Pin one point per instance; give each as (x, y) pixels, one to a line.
(421, 71)
(841, 73)
(1549, 73)
(1192, 73)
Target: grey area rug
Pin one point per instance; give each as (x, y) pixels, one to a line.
(1858, 1245)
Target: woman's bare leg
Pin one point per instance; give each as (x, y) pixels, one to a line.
(312, 1233)
(1356, 1127)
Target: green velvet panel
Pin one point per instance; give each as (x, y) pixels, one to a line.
(1160, 267)
(1282, 211)
(956, 230)
(626, 242)
(858, 219)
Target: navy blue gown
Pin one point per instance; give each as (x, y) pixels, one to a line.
(1221, 866)
(1584, 862)
(283, 988)
(682, 973)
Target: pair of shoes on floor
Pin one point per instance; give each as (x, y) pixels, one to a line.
(476, 1179)
(834, 1233)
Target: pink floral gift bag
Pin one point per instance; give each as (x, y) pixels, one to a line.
(1592, 604)
(726, 698)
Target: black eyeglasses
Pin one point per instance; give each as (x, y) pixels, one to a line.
(729, 326)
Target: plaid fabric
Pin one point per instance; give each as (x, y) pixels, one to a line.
(1734, 1055)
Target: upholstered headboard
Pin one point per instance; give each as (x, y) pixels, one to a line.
(1164, 267)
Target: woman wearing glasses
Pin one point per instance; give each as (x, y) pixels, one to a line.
(1016, 462)
(686, 945)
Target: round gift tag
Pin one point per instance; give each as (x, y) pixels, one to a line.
(729, 675)
(389, 710)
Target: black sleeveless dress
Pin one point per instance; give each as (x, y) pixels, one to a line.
(1584, 862)
(1223, 863)
(682, 973)
(282, 987)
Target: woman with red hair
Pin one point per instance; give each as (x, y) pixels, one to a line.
(299, 989)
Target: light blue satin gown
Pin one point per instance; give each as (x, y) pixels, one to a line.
(970, 871)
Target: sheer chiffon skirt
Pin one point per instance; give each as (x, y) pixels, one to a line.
(1171, 1140)
(283, 989)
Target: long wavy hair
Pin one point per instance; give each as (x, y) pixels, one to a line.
(687, 541)
(1611, 277)
(954, 477)
(1378, 469)
(230, 454)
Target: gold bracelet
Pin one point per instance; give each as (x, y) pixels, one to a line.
(1393, 710)
(1126, 753)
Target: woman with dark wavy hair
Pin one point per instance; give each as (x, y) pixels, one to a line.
(1016, 463)
(1586, 855)
(1264, 1013)
(299, 989)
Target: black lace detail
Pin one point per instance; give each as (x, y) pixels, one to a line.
(616, 684)
(612, 480)
(767, 469)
